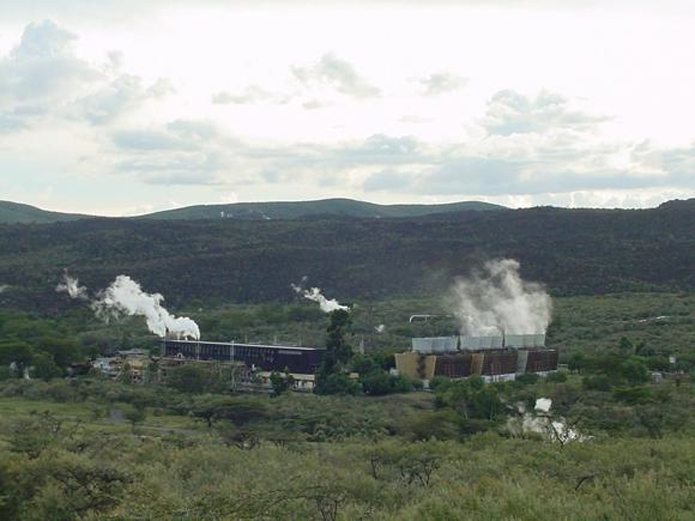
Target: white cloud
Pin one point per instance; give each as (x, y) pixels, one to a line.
(419, 112)
(510, 112)
(43, 77)
(442, 83)
(339, 74)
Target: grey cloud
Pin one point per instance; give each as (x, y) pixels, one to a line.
(182, 135)
(338, 73)
(195, 152)
(124, 93)
(193, 168)
(330, 70)
(313, 104)
(43, 77)
(147, 140)
(509, 112)
(42, 68)
(389, 180)
(197, 129)
(442, 83)
(382, 149)
(180, 152)
(483, 176)
(252, 94)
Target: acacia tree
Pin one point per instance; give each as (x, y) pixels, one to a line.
(338, 350)
(331, 377)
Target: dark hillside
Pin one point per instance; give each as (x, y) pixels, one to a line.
(17, 213)
(312, 209)
(572, 251)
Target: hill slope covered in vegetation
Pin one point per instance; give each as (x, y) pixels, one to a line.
(572, 251)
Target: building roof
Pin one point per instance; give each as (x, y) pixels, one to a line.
(237, 344)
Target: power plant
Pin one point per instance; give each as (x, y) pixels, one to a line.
(495, 358)
(257, 359)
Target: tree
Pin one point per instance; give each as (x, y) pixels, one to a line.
(44, 367)
(331, 377)
(625, 345)
(135, 414)
(189, 378)
(338, 350)
(377, 383)
(63, 351)
(281, 382)
(634, 371)
(18, 353)
(337, 383)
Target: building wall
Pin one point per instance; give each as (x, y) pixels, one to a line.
(486, 363)
(267, 358)
(416, 366)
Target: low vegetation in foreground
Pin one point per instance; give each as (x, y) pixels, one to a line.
(617, 443)
(94, 449)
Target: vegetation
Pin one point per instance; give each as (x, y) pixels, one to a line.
(574, 252)
(616, 444)
(15, 213)
(156, 453)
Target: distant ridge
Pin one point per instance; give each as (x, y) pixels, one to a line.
(325, 207)
(16, 213)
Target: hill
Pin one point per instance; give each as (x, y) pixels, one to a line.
(17, 213)
(574, 252)
(304, 209)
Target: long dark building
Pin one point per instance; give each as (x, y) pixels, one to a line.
(301, 360)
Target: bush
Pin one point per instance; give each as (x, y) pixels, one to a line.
(377, 383)
(6, 373)
(190, 378)
(527, 379)
(597, 383)
(556, 377)
(439, 382)
(337, 383)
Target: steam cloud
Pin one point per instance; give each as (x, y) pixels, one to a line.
(72, 287)
(4, 288)
(125, 297)
(327, 306)
(541, 422)
(498, 301)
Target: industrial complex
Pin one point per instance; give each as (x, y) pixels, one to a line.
(495, 358)
(260, 360)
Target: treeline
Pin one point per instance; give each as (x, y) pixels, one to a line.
(572, 251)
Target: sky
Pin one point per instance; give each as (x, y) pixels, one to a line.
(127, 107)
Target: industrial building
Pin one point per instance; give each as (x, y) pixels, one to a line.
(301, 362)
(495, 358)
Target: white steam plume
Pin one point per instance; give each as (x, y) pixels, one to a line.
(72, 287)
(498, 301)
(4, 288)
(327, 306)
(380, 329)
(125, 297)
(541, 422)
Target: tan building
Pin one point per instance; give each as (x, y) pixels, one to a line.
(494, 358)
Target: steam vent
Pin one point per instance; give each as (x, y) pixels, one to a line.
(495, 358)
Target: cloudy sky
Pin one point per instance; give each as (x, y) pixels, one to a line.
(121, 107)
